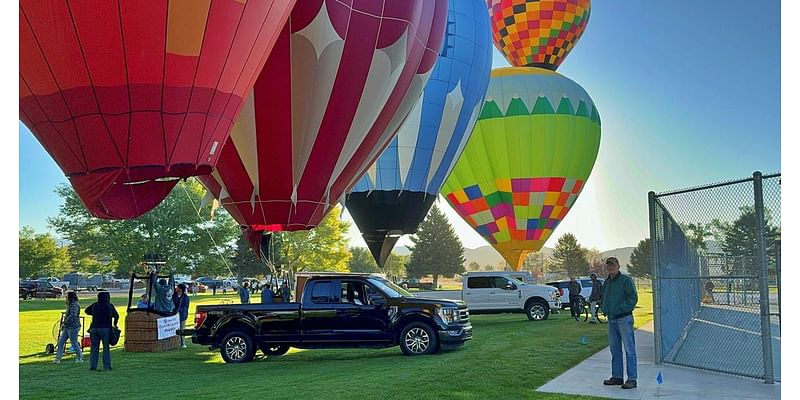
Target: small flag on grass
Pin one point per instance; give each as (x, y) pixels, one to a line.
(659, 379)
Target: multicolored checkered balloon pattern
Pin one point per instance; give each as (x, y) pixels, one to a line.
(537, 33)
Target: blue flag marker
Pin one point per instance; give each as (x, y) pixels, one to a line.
(659, 379)
(584, 340)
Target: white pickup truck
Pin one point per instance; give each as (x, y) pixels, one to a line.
(499, 292)
(64, 285)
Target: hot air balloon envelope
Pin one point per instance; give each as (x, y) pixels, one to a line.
(341, 79)
(527, 161)
(394, 196)
(538, 33)
(127, 97)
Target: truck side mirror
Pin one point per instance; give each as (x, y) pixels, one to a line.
(511, 286)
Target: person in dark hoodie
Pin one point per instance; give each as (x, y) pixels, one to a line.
(102, 313)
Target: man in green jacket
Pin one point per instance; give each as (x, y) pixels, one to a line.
(619, 300)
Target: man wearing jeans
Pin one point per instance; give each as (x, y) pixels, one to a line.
(619, 300)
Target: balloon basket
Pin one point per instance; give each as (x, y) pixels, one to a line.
(141, 334)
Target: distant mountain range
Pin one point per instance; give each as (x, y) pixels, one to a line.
(487, 255)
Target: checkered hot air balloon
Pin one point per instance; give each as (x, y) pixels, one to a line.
(537, 33)
(532, 150)
(394, 196)
(130, 96)
(340, 81)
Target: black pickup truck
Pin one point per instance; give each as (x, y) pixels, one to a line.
(336, 311)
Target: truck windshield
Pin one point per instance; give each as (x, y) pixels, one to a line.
(389, 288)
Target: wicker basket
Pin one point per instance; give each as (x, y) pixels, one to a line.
(141, 334)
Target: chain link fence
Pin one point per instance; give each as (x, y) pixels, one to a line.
(716, 276)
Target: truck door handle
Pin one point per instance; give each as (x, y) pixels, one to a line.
(491, 292)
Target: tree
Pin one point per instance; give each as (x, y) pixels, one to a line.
(697, 234)
(192, 242)
(641, 264)
(596, 262)
(93, 265)
(40, 255)
(740, 242)
(245, 263)
(488, 267)
(436, 250)
(474, 266)
(536, 263)
(362, 260)
(396, 265)
(323, 248)
(569, 256)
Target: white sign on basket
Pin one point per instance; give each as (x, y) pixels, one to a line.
(167, 326)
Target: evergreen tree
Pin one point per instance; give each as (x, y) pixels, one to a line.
(474, 266)
(437, 251)
(740, 242)
(569, 256)
(641, 265)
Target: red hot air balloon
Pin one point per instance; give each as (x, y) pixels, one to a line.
(128, 97)
(340, 81)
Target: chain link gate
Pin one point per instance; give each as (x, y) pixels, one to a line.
(716, 276)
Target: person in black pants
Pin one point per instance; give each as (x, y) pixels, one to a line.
(102, 313)
(574, 297)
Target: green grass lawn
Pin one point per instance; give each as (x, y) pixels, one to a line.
(509, 357)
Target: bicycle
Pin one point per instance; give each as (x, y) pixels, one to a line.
(585, 311)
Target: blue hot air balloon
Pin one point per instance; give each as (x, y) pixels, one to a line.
(397, 191)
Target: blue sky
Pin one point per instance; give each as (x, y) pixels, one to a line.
(688, 92)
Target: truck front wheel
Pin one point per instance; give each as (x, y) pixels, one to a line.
(418, 339)
(237, 347)
(537, 310)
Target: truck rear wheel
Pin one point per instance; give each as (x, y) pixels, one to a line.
(418, 339)
(237, 347)
(274, 350)
(537, 310)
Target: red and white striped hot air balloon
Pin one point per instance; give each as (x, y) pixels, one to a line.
(336, 87)
(129, 96)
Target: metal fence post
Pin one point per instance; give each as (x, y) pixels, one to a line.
(766, 329)
(655, 284)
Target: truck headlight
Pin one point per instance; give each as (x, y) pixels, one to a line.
(448, 315)
(554, 295)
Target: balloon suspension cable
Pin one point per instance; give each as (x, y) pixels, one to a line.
(197, 211)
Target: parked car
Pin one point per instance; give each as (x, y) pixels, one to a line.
(210, 283)
(414, 283)
(499, 292)
(337, 310)
(563, 288)
(31, 289)
(64, 285)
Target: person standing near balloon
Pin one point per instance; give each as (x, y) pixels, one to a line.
(181, 302)
(102, 312)
(244, 293)
(619, 300)
(69, 329)
(574, 297)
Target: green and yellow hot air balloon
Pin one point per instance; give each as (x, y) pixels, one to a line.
(532, 150)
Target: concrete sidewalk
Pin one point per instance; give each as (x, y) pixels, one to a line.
(587, 378)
